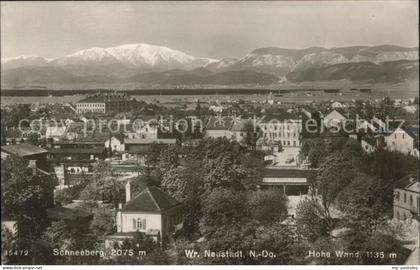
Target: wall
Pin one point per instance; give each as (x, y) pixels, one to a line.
(399, 141)
(288, 133)
(218, 134)
(407, 207)
(153, 221)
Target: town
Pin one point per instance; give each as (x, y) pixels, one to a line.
(134, 182)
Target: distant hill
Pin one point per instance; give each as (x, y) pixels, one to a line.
(161, 65)
(204, 76)
(395, 71)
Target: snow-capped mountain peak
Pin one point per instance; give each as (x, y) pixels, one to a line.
(139, 55)
(142, 53)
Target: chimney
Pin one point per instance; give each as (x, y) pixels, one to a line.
(32, 165)
(127, 192)
(120, 206)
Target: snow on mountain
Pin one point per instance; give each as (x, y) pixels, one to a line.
(126, 61)
(95, 55)
(279, 61)
(145, 54)
(223, 64)
(360, 58)
(139, 55)
(321, 59)
(24, 60)
(396, 56)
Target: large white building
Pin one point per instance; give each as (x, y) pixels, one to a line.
(284, 131)
(105, 103)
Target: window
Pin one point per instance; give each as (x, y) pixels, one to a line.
(140, 224)
(398, 215)
(397, 197)
(403, 136)
(411, 200)
(395, 136)
(405, 198)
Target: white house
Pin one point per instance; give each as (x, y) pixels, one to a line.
(407, 198)
(410, 109)
(143, 130)
(55, 131)
(336, 105)
(334, 119)
(115, 144)
(216, 108)
(400, 141)
(152, 212)
(219, 127)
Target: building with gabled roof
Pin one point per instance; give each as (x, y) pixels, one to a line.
(401, 140)
(219, 127)
(152, 212)
(23, 149)
(334, 119)
(407, 198)
(27, 151)
(105, 103)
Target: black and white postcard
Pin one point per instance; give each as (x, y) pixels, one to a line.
(210, 133)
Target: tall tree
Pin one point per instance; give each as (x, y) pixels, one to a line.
(103, 185)
(25, 199)
(312, 220)
(335, 173)
(268, 206)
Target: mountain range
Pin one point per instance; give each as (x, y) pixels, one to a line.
(150, 64)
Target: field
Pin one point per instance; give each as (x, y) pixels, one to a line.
(287, 92)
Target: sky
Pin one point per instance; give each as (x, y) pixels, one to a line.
(204, 29)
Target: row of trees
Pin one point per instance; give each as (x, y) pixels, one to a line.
(355, 194)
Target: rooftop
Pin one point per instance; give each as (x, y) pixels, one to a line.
(241, 125)
(93, 150)
(407, 181)
(286, 173)
(23, 149)
(219, 123)
(149, 141)
(151, 199)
